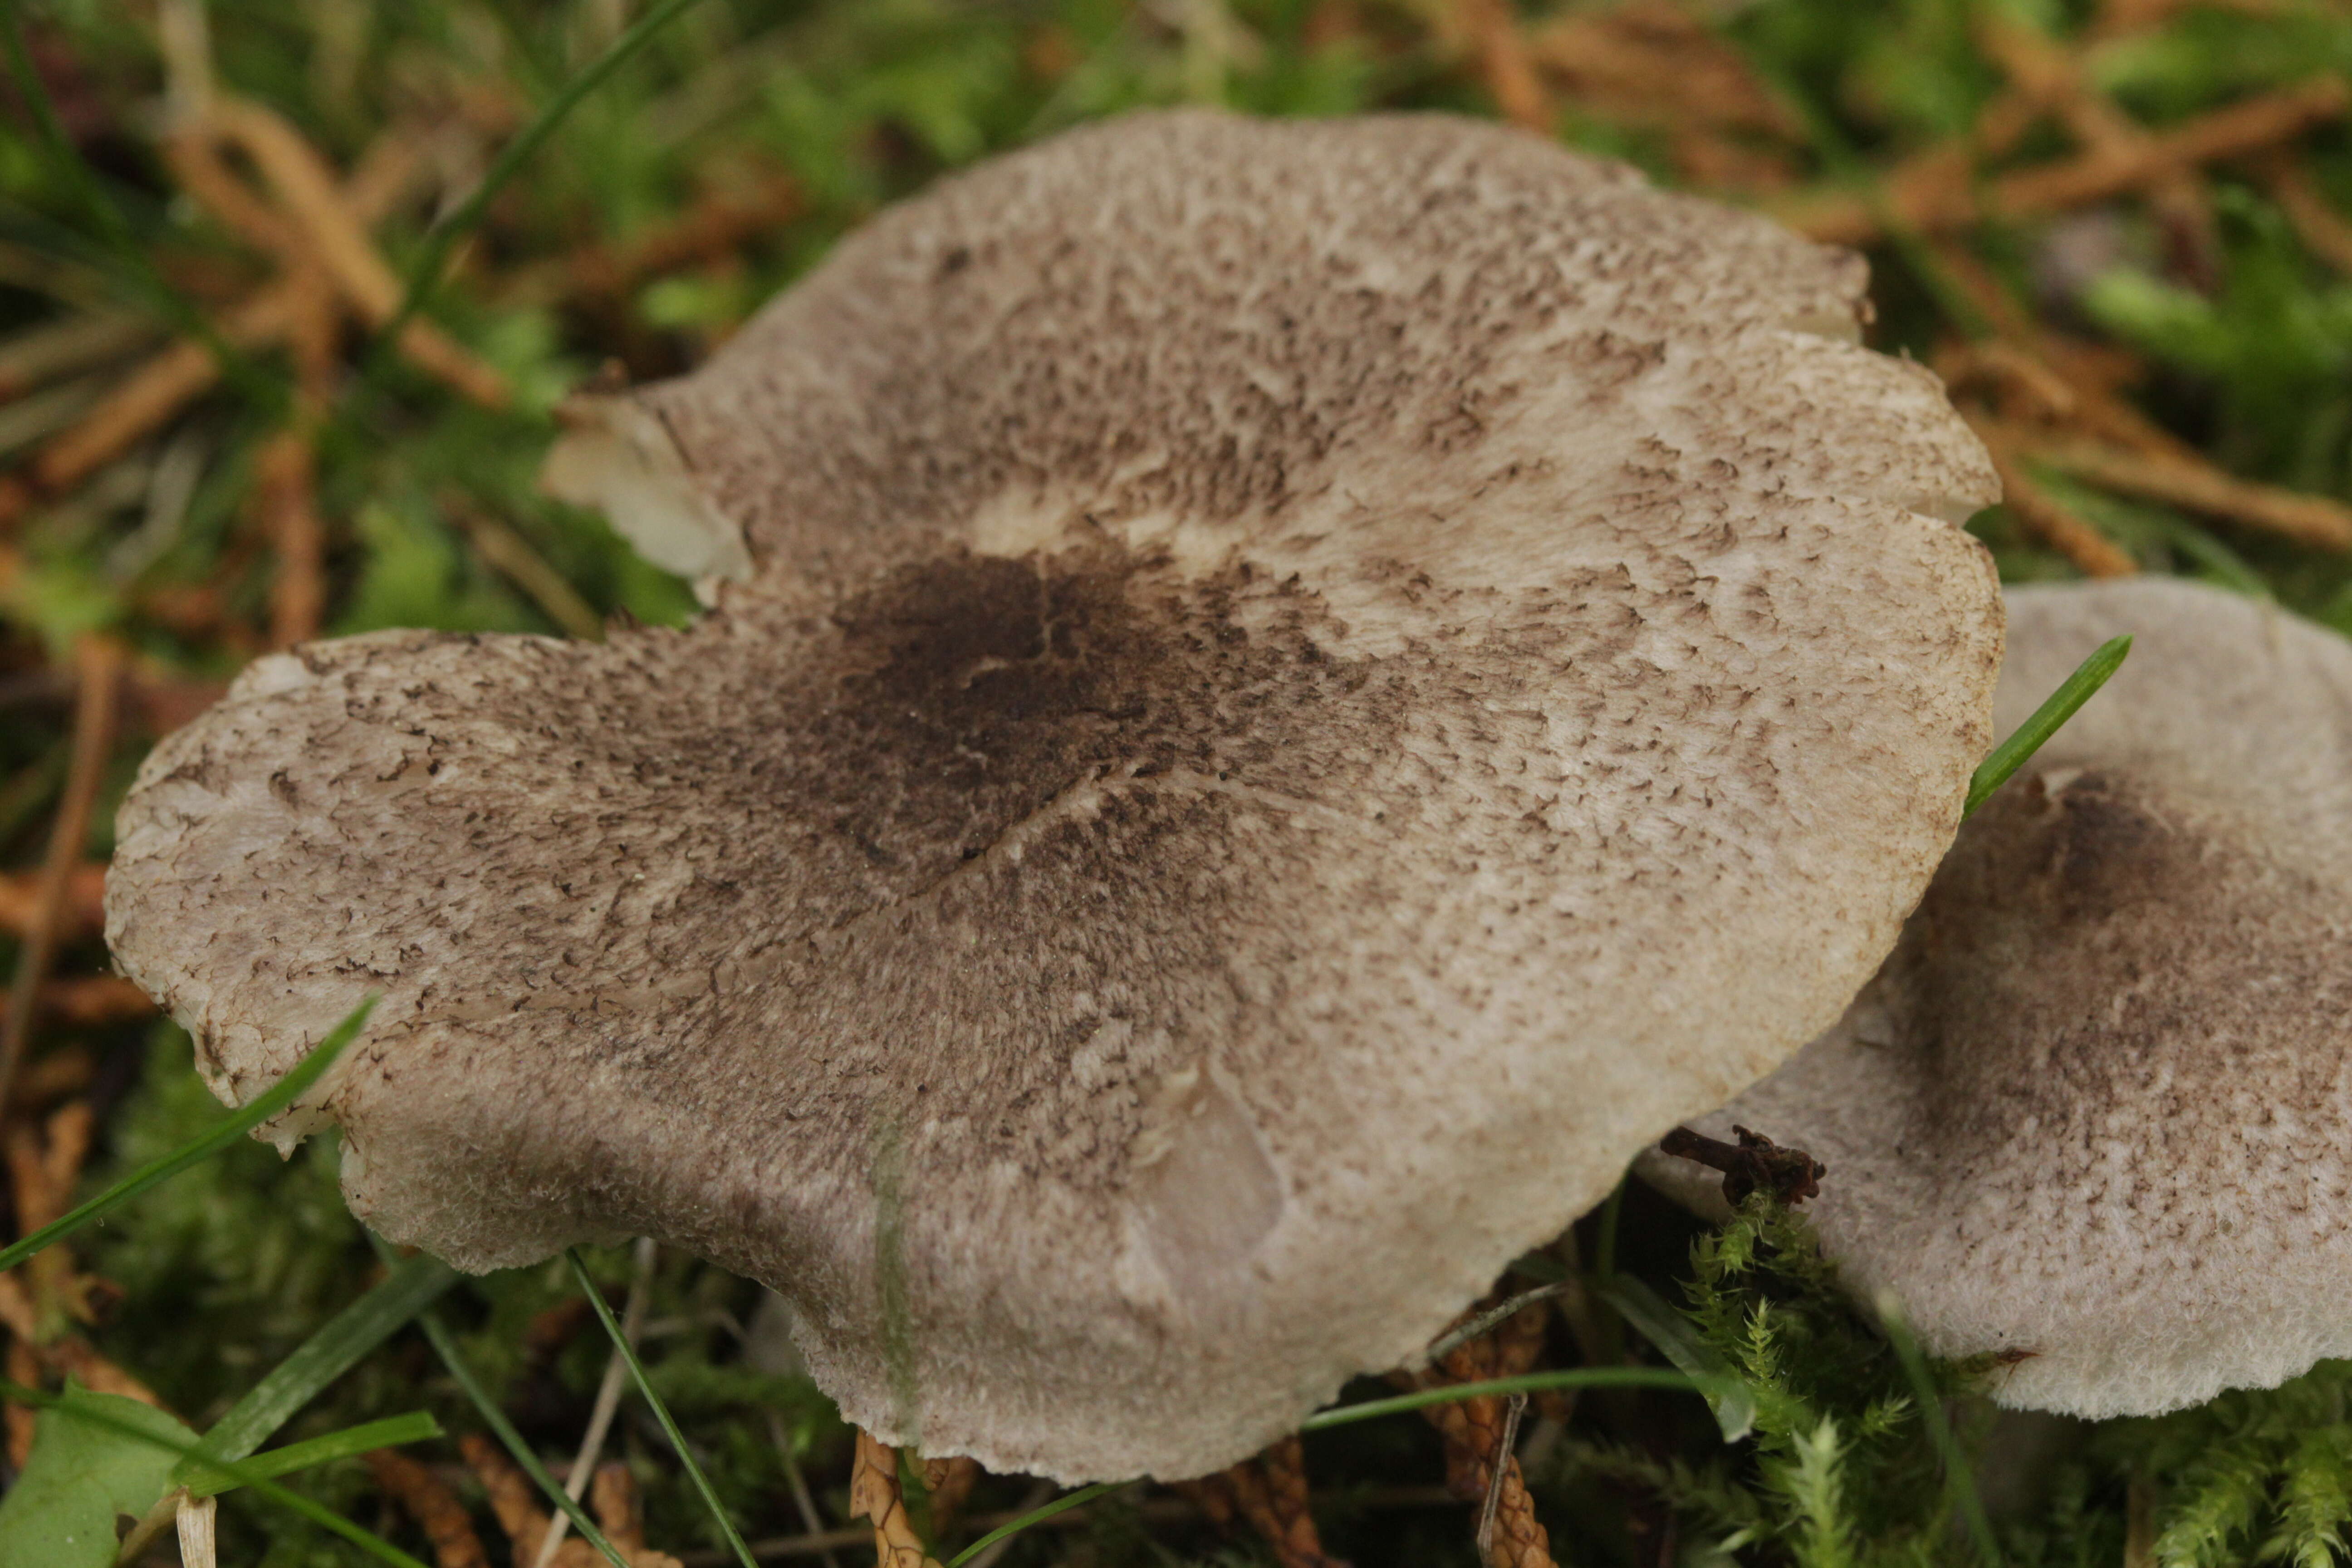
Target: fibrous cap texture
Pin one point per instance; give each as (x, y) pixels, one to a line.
(2094, 1110)
(1283, 696)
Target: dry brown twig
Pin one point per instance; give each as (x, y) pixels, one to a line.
(2324, 231)
(1270, 1493)
(145, 399)
(42, 1162)
(305, 184)
(2039, 377)
(1488, 32)
(427, 1499)
(1922, 193)
(2234, 131)
(285, 504)
(2051, 77)
(614, 1496)
(508, 1489)
(41, 1298)
(328, 263)
(285, 491)
(24, 1368)
(193, 155)
(2047, 519)
(56, 1076)
(151, 394)
(2123, 18)
(525, 1523)
(510, 555)
(81, 911)
(80, 341)
(1753, 1163)
(2064, 418)
(1479, 1467)
(317, 232)
(2192, 484)
(159, 387)
(87, 1001)
(99, 662)
(2057, 405)
(719, 224)
(1654, 64)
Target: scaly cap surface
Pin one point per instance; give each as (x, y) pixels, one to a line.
(2095, 1109)
(1282, 696)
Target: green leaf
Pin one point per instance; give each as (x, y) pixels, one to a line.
(1062, 1504)
(82, 1475)
(411, 1287)
(174, 1443)
(1526, 1383)
(425, 272)
(2060, 706)
(1957, 1473)
(1727, 1394)
(283, 1093)
(417, 1427)
(413, 573)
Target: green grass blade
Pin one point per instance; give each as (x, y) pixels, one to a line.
(661, 1412)
(122, 244)
(1529, 1382)
(411, 1286)
(1078, 1499)
(1605, 1250)
(1733, 1402)
(417, 1427)
(283, 1093)
(424, 273)
(2060, 705)
(1939, 1426)
(1447, 1344)
(240, 1473)
(444, 1345)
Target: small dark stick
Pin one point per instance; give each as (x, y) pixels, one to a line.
(1754, 1162)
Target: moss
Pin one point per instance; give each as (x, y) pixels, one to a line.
(226, 1269)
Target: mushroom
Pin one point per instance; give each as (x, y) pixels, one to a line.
(1280, 696)
(2092, 1116)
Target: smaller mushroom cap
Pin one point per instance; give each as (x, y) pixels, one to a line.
(2095, 1111)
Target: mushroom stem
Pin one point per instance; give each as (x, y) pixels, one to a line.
(949, 1482)
(874, 1495)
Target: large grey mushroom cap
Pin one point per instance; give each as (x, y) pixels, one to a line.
(1290, 694)
(2096, 1110)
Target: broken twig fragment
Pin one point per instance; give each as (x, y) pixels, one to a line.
(1753, 1165)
